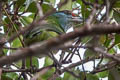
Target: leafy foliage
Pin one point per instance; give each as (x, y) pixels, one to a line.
(18, 15)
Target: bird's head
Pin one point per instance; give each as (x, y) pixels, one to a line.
(63, 18)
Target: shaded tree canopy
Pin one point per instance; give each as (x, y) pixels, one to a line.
(67, 35)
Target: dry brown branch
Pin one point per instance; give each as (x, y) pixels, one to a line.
(46, 46)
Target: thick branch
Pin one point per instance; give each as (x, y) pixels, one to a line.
(54, 43)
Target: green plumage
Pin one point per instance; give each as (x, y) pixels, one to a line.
(53, 26)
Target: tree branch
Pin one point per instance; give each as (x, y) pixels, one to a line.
(55, 43)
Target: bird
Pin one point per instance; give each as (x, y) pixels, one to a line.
(54, 25)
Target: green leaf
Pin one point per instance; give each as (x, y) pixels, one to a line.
(3, 77)
(16, 43)
(102, 39)
(95, 41)
(20, 2)
(6, 20)
(89, 53)
(5, 51)
(35, 62)
(85, 10)
(53, 2)
(31, 7)
(48, 61)
(19, 63)
(117, 38)
(116, 16)
(82, 75)
(47, 0)
(26, 20)
(9, 76)
(117, 4)
(103, 74)
(79, 1)
(59, 78)
(67, 6)
(86, 39)
(112, 51)
(48, 74)
(92, 77)
(46, 8)
(68, 76)
(107, 42)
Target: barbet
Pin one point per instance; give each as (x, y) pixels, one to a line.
(54, 25)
